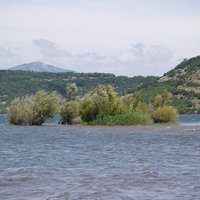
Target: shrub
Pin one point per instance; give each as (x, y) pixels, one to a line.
(165, 114)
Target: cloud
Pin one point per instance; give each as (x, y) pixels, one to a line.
(8, 57)
(91, 56)
(147, 59)
(49, 49)
(146, 53)
(141, 59)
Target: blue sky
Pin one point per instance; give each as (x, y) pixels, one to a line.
(123, 37)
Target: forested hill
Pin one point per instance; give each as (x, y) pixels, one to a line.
(183, 82)
(20, 83)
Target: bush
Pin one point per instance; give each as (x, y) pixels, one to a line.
(165, 114)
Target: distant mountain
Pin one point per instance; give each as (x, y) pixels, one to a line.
(39, 67)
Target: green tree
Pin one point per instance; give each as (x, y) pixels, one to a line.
(127, 102)
(33, 110)
(100, 102)
(71, 91)
(163, 112)
(19, 112)
(70, 107)
(162, 100)
(136, 100)
(69, 111)
(44, 106)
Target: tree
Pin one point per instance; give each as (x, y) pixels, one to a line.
(162, 100)
(70, 108)
(33, 110)
(102, 101)
(19, 112)
(163, 112)
(136, 100)
(69, 111)
(44, 106)
(71, 91)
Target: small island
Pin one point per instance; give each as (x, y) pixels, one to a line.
(101, 106)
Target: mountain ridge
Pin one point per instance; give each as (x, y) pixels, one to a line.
(39, 67)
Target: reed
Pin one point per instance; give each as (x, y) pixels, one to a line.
(126, 118)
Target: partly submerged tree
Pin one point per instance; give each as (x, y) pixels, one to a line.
(165, 114)
(70, 108)
(102, 101)
(44, 106)
(69, 111)
(163, 111)
(19, 112)
(33, 110)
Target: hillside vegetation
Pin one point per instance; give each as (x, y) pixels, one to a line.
(183, 82)
(19, 83)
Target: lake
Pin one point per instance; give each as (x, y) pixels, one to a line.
(61, 162)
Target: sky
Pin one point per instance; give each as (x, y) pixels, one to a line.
(122, 37)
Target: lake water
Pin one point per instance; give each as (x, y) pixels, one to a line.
(56, 162)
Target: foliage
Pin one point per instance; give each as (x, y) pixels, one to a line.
(133, 103)
(19, 112)
(69, 111)
(136, 100)
(125, 118)
(162, 100)
(165, 114)
(71, 91)
(100, 102)
(33, 110)
(102, 106)
(182, 82)
(20, 83)
(44, 106)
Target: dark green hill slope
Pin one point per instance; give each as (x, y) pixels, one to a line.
(20, 83)
(183, 82)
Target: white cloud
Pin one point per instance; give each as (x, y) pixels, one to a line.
(8, 56)
(49, 49)
(147, 59)
(141, 59)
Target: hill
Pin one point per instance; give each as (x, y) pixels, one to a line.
(183, 82)
(39, 67)
(19, 83)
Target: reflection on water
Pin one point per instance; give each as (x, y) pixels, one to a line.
(55, 162)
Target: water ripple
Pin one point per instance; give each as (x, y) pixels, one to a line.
(54, 162)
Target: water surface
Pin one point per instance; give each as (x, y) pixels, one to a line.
(55, 162)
